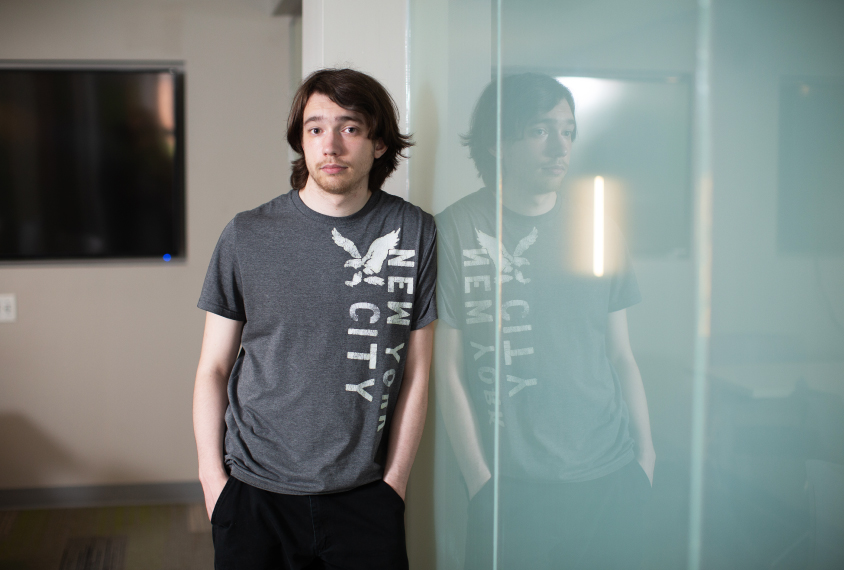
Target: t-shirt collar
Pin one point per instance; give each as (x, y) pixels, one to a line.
(335, 220)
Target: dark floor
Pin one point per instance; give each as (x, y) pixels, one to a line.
(149, 537)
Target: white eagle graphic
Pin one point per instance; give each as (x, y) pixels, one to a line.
(511, 263)
(371, 263)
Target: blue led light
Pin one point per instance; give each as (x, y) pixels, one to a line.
(167, 257)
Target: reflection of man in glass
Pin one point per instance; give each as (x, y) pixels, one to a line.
(575, 455)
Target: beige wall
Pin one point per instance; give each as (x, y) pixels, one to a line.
(96, 375)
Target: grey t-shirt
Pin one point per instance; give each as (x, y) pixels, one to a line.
(328, 305)
(562, 412)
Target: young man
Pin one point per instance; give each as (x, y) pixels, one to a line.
(557, 395)
(311, 389)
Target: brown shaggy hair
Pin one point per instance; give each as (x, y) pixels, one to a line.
(357, 92)
(524, 96)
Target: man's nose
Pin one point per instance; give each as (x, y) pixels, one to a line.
(558, 145)
(332, 143)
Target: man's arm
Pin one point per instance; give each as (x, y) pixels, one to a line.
(220, 345)
(460, 421)
(411, 407)
(632, 389)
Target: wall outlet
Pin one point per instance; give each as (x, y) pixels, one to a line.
(8, 308)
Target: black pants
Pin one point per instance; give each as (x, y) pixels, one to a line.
(362, 528)
(593, 525)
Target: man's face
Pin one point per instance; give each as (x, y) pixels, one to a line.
(338, 151)
(538, 162)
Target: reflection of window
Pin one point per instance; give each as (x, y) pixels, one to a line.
(636, 133)
(811, 176)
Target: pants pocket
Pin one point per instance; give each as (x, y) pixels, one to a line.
(215, 514)
(391, 492)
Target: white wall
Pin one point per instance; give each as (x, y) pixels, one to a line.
(369, 37)
(96, 375)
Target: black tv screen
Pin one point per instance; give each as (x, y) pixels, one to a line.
(91, 162)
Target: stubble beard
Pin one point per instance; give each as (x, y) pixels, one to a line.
(334, 184)
(534, 181)
(339, 184)
(554, 184)
(539, 185)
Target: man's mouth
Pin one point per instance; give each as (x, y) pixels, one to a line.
(333, 168)
(554, 169)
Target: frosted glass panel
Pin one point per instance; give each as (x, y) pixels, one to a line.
(774, 468)
(640, 352)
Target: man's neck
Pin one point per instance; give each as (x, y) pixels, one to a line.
(335, 205)
(529, 204)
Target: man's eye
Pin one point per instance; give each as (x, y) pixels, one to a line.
(351, 130)
(539, 132)
(567, 134)
(314, 130)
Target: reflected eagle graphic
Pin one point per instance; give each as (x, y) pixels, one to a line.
(510, 263)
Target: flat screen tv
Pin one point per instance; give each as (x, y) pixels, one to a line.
(91, 161)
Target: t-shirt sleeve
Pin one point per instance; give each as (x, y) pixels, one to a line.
(624, 288)
(425, 302)
(222, 292)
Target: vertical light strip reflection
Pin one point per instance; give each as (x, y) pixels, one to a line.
(166, 109)
(703, 292)
(598, 228)
(164, 96)
(499, 213)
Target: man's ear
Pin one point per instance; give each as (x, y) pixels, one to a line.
(380, 148)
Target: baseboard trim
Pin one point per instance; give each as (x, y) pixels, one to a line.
(101, 496)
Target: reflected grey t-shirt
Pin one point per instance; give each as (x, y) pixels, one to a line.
(562, 412)
(328, 305)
